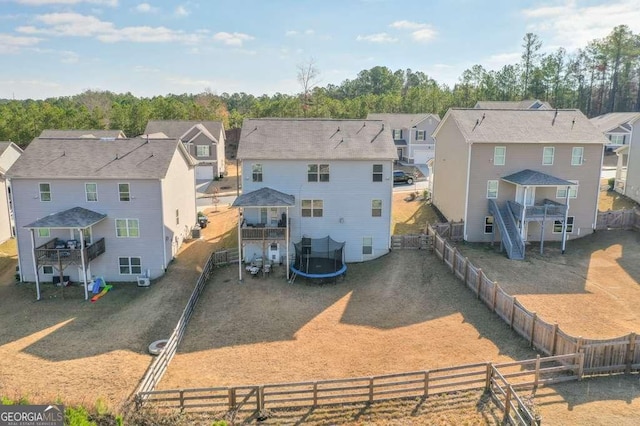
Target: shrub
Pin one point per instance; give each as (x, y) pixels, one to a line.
(611, 182)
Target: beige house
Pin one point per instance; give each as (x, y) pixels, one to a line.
(9, 153)
(518, 175)
(411, 135)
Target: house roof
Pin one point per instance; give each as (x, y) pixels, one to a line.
(608, 122)
(76, 217)
(178, 128)
(97, 159)
(4, 146)
(524, 104)
(524, 126)
(315, 139)
(402, 121)
(83, 134)
(530, 177)
(265, 197)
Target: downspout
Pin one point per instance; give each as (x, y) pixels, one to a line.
(624, 191)
(35, 263)
(164, 233)
(84, 264)
(595, 216)
(466, 197)
(287, 241)
(390, 179)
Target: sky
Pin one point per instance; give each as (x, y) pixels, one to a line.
(52, 48)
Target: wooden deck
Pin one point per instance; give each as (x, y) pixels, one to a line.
(47, 254)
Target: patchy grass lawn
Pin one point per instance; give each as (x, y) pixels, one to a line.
(410, 217)
(612, 200)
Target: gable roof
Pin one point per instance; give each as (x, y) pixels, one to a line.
(76, 217)
(315, 139)
(532, 177)
(5, 145)
(265, 197)
(524, 104)
(524, 126)
(608, 122)
(83, 134)
(97, 159)
(402, 121)
(178, 128)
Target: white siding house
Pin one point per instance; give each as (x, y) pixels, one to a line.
(114, 208)
(9, 153)
(313, 178)
(411, 134)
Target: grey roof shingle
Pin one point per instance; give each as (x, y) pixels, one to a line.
(176, 128)
(525, 126)
(401, 121)
(315, 139)
(96, 159)
(524, 104)
(76, 217)
(608, 122)
(83, 134)
(265, 197)
(534, 178)
(4, 146)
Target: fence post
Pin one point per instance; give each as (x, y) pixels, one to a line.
(181, 400)
(466, 270)
(232, 398)
(513, 311)
(507, 405)
(315, 394)
(554, 335)
(581, 365)
(260, 399)
(494, 298)
(454, 260)
(631, 349)
(533, 328)
(487, 384)
(537, 375)
(370, 389)
(479, 282)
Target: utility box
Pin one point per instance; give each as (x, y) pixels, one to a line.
(195, 232)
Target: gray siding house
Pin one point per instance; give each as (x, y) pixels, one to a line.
(115, 208)
(9, 153)
(534, 104)
(411, 134)
(313, 178)
(520, 175)
(204, 140)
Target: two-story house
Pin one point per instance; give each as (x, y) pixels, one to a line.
(411, 134)
(522, 175)
(204, 140)
(524, 104)
(315, 178)
(115, 208)
(622, 129)
(9, 153)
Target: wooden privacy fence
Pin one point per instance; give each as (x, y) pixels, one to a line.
(410, 242)
(453, 231)
(225, 257)
(601, 356)
(613, 219)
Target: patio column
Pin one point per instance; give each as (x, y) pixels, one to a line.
(287, 241)
(524, 213)
(35, 263)
(566, 218)
(240, 244)
(84, 264)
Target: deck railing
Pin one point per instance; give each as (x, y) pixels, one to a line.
(47, 254)
(554, 210)
(264, 233)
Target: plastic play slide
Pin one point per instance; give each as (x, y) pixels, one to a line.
(98, 284)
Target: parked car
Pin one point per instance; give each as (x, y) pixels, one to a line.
(399, 176)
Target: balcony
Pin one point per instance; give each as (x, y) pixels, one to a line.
(264, 233)
(548, 209)
(57, 252)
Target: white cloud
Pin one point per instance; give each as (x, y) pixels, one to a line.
(406, 25)
(420, 31)
(10, 43)
(291, 33)
(377, 38)
(309, 32)
(573, 26)
(182, 11)
(146, 8)
(112, 3)
(424, 35)
(232, 39)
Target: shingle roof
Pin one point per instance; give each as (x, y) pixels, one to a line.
(402, 121)
(524, 104)
(84, 134)
(97, 159)
(534, 178)
(524, 126)
(176, 128)
(265, 197)
(315, 139)
(76, 217)
(612, 120)
(4, 146)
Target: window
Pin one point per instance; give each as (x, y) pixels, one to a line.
(421, 135)
(561, 191)
(202, 150)
(256, 172)
(367, 245)
(499, 154)
(318, 173)
(312, 208)
(616, 139)
(377, 172)
(397, 134)
(91, 190)
(577, 156)
(127, 228)
(177, 216)
(488, 224)
(44, 232)
(45, 192)
(129, 265)
(47, 270)
(547, 155)
(376, 208)
(557, 225)
(124, 192)
(492, 189)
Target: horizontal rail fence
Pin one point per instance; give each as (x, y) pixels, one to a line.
(410, 242)
(618, 219)
(159, 365)
(225, 257)
(617, 355)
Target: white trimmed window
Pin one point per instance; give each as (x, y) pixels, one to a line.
(488, 224)
(127, 228)
(367, 245)
(124, 192)
(312, 208)
(45, 191)
(44, 232)
(616, 139)
(561, 191)
(548, 153)
(91, 191)
(492, 189)
(129, 265)
(557, 226)
(397, 134)
(421, 135)
(47, 270)
(499, 155)
(577, 156)
(256, 172)
(317, 173)
(377, 172)
(376, 208)
(203, 150)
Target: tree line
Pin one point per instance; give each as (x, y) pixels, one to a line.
(602, 77)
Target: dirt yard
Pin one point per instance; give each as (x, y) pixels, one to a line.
(410, 216)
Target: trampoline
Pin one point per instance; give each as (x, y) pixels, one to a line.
(319, 258)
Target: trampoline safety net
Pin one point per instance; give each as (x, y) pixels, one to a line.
(318, 256)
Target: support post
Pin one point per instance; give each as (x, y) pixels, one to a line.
(84, 264)
(35, 262)
(631, 348)
(544, 220)
(240, 244)
(487, 384)
(554, 335)
(537, 373)
(479, 281)
(287, 241)
(494, 298)
(533, 328)
(370, 389)
(426, 384)
(513, 311)
(564, 223)
(507, 405)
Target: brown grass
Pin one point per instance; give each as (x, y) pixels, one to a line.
(612, 200)
(410, 217)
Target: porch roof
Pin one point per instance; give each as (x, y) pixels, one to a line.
(76, 217)
(265, 197)
(529, 177)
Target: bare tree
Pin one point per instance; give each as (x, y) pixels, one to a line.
(308, 77)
